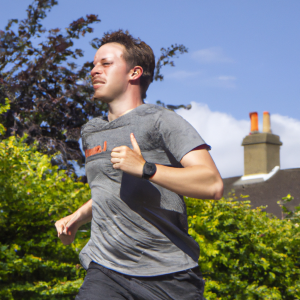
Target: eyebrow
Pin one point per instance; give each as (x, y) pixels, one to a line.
(105, 58)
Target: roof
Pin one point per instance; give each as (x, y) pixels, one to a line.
(268, 192)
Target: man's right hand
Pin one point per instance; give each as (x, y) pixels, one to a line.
(66, 228)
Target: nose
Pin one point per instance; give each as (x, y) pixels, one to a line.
(96, 70)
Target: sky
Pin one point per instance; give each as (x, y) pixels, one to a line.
(243, 56)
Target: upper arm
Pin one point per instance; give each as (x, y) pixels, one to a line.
(202, 159)
(178, 136)
(199, 157)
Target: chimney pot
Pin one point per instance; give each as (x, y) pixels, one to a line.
(266, 122)
(254, 122)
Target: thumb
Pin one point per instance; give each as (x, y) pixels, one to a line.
(134, 143)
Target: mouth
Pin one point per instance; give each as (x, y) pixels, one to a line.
(97, 83)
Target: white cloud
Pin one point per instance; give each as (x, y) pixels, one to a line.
(211, 55)
(288, 130)
(225, 134)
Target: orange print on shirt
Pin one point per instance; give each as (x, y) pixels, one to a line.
(95, 150)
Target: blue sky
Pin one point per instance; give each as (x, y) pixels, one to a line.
(243, 55)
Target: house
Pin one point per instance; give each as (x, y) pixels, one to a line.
(263, 180)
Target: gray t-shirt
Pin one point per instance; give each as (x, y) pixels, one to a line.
(138, 228)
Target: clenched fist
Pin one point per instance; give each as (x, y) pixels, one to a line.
(128, 160)
(67, 228)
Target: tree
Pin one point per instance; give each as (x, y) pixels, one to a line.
(50, 95)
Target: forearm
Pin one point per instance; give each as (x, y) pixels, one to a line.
(194, 181)
(83, 215)
(199, 177)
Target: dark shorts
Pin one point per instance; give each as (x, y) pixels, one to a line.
(102, 283)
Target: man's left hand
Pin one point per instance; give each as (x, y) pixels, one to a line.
(128, 160)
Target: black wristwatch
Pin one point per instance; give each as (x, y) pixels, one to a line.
(149, 170)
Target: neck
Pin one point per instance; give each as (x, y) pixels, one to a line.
(121, 106)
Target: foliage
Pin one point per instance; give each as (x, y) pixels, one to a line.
(34, 264)
(50, 94)
(245, 253)
(165, 58)
(291, 214)
(3, 108)
(44, 84)
(173, 107)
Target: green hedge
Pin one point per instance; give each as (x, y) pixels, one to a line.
(245, 253)
(34, 264)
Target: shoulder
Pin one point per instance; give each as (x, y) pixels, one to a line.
(170, 119)
(150, 109)
(153, 108)
(159, 113)
(162, 118)
(149, 115)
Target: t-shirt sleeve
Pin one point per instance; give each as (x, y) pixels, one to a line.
(178, 136)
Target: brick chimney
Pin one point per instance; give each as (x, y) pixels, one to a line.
(261, 150)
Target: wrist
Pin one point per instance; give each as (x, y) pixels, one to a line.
(76, 219)
(149, 170)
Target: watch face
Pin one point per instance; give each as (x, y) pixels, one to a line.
(149, 169)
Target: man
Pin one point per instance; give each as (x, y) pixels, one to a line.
(138, 161)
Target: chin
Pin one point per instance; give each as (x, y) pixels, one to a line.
(101, 98)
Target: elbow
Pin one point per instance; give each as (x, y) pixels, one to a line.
(218, 189)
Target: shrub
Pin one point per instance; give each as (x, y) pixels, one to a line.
(34, 264)
(245, 253)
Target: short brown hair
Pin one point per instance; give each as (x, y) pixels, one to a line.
(137, 53)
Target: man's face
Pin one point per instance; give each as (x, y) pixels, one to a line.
(110, 74)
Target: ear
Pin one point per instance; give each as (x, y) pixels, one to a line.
(136, 72)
